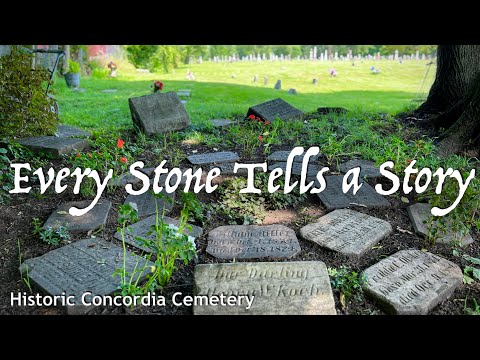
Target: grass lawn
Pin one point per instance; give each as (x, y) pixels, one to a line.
(215, 93)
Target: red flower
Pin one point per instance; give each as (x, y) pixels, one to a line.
(78, 155)
(409, 161)
(252, 117)
(120, 143)
(89, 155)
(260, 138)
(267, 122)
(99, 153)
(258, 119)
(123, 160)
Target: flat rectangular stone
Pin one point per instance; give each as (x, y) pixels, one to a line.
(53, 145)
(367, 168)
(412, 282)
(348, 232)
(124, 179)
(147, 203)
(70, 131)
(211, 158)
(91, 221)
(185, 93)
(143, 229)
(227, 169)
(274, 109)
(252, 242)
(312, 169)
(419, 215)
(334, 198)
(82, 266)
(221, 122)
(282, 156)
(279, 288)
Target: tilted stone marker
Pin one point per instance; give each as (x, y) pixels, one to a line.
(227, 169)
(348, 232)
(274, 109)
(334, 198)
(185, 93)
(367, 168)
(282, 156)
(278, 85)
(252, 242)
(84, 265)
(159, 113)
(213, 158)
(420, 214)
(221, 123)
(53, 145)
(312, 169)
(143, 229)
(280, 288)
(91, 221)
(412, 282)
(70, 131)
(147, 203)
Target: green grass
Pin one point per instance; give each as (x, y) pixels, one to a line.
(216, 94)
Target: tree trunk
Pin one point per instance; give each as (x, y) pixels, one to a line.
(66, 49)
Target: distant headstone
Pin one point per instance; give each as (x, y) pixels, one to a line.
(419, 215)
(252, 242)
(334, 198)
(211, 158)
(91, 221)
(367, 168)
(227, 169)
(70, 131)
(348, 232)
(159, 113)
(274, 109)
(143, 229)
(53, 145)
(412, 282)
(331, 110)
(109, 91)
(221, 123)
(265, 80)
(184, 92)
(315, 81)
(312, 169)
(278, 85)
(147, 203)
(282, 156)
(292, 92)
(279, 288)
(255, 79)
(84, 265)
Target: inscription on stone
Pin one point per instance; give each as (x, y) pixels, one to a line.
(412, 282)
(147, 203)
(252, 242)
(279, 288)
(367, 168)
(274, 109)
(211, 158)
(53, 145)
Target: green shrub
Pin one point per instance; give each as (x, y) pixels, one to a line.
(73, 67)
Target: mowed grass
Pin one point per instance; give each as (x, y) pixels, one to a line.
(216, 94)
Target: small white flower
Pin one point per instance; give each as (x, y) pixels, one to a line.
(215, 149)
(194, 151)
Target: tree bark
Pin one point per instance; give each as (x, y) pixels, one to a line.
(66, 49)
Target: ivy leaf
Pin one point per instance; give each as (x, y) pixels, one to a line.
(471, 259)
(476, 273)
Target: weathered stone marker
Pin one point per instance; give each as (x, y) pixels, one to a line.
(252, 242)
(282, 156)
(143, 229)
(70, 131)
(147, 203)
(279, 288)
(334, 198)
(53, 145)
(312, 169)
(82, 266)
(412, 282)
(227, 169)
(347, 231)
(91, 221)
(211, 158)
(292, 91)
(221, 123)
(274, 109)
(367, 168)
(419, 215)
(159, 113)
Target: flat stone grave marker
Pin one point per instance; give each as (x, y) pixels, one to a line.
(419, 215)
(183, 180)
(227, 169)
(274, 109)
(334, 198)
(124, 179)
(91, 221)
(147, 203)
(279, 288)
(412, 282)
(213, 158)
(159, 113)
(222, 122)
(82, 266)
(312, 169)
(184, 92)
(348, 232)
(70, 131)
(367, 168)
(53, 145)
(252, 242)
(109, 91)
(282, 156)
(144, 227)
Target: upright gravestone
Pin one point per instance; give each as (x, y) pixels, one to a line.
(147, 203)
(252, 242)
(265, 80)
(411, 282)
(213, 158)
(274, 109)
(54, 146)
(278, 85)
(159, 113)
(292, 91)
(255, 79)
(315, 81)
(277, 288)
(367, 168)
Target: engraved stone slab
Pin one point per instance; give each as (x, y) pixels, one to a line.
(53, 145)
(91, 221)
(184, 92)
(312, 169)
(347, 231)
(147, 203)
(84, 265)
(279, 288)
(221, 123)
(70, 131)
(419, 215)
(227, 169)
(334, 198)
(211, 158)
(252, 242)
(159, 113)
(274, 109)
(143, 227)
(412, 282)
(367, 168)
(282, 156)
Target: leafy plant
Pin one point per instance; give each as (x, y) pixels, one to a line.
(73, 67)
(250, 134)
(472, 311)
(347, 281)
(54, 236)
